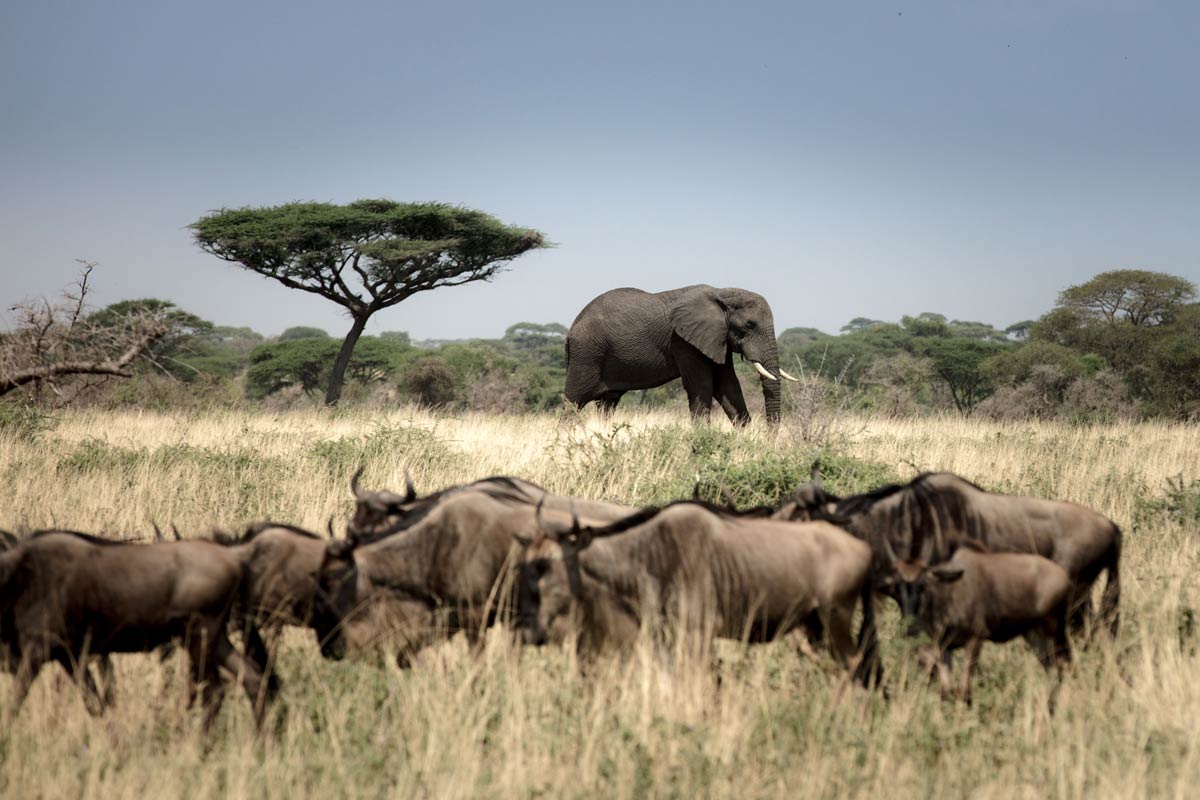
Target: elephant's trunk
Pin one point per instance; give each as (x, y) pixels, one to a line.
(772, 389)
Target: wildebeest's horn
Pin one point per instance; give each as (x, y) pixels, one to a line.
(354, 487)
(816, 473)
(9, 539)
(158, 534)
(410, 490)
(537, 514)
(727, 496)
(574, 519)
(329, 527)
(175, 530)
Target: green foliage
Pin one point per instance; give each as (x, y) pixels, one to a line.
(770, 478)
(414, 444)
(393, 249)
(306, 363)
(302, 332)
(1137, 297)
(430, 382)
(22, 421)
(388, 251)
(959, 363)
(708, 460)
(1180, 504)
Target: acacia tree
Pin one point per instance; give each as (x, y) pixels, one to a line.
(365, 256)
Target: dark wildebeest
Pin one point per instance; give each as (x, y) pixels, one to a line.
(68, 597)
(689, 572)
(281, 584)
(928, 516)
(977, 596)
(445, 569)
(379, 513)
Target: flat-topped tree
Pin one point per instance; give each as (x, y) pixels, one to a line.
(365, 256)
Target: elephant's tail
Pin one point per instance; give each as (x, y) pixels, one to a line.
(567, 348)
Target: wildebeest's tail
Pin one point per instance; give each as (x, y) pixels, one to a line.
(1110, 601)
(870, 669)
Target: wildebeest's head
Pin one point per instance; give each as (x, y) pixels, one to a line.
(336, 597)
(377, 512)
(914, 581)
(550, 586)
(809, 502)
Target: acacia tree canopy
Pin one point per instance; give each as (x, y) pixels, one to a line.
(364, 256)
(1139, 297)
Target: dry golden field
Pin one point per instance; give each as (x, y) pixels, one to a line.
(527, 723)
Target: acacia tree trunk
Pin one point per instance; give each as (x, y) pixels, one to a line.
(338, 376)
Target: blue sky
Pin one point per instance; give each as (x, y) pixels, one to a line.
(843, 159)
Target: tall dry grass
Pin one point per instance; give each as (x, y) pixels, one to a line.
(528, 723)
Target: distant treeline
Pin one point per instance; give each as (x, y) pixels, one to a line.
(1126, 343)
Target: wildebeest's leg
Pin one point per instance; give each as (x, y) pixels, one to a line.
(870, 669)
(972, 657)
(104, 666)
(247, 672)
(945, 672)
(841, 643)
(1080, 615)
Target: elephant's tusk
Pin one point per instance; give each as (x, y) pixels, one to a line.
(763, 371)
(789, 377)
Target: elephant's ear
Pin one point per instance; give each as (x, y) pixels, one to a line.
(699, 319)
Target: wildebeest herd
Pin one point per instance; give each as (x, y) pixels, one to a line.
(964, 565)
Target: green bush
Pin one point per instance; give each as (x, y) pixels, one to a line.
(23, 421)
(415, 444)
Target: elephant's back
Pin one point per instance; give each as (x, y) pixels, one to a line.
(619, 313)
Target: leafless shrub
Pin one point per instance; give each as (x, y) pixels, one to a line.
(60, 348)
(1103, 397)
(496, 392)
(897, 383)
(818, 408)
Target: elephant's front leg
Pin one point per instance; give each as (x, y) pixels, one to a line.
(728, 392)
(698, 373)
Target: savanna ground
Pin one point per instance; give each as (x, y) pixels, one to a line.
(528, 723)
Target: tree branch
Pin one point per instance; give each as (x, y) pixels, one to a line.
(116, 366)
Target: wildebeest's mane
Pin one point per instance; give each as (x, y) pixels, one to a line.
(924, 515)
(422, 507)
(650, 512)
(255, 528)
(87, 537)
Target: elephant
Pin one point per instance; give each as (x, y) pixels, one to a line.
(630, 339)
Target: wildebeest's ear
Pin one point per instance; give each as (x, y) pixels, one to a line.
(8, 540)
(524, 541)
(946, 573)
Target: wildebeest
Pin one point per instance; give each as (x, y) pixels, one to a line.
(697, 571)
(379, 513)
(447, 570)
(68, 597)
(928, 516)
(281, 563)
(976, 596)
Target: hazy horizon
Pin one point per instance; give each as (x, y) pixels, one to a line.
(971, 160)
